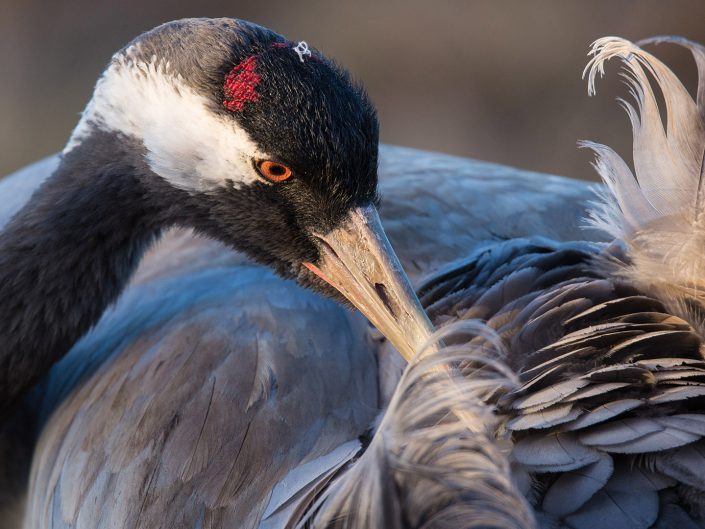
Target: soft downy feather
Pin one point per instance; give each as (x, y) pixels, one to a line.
(658, 212)
(436, 459)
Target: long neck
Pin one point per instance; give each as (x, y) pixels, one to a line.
(64, 258)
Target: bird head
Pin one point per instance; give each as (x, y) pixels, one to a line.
(265, 145)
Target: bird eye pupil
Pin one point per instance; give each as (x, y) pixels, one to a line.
(277, 170)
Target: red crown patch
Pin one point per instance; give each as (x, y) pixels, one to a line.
(240, 85)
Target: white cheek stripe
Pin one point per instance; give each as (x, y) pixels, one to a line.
(187, 143)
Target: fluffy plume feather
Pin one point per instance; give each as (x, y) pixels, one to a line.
(435, 460)
(659, 213)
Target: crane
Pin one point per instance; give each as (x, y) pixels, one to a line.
(212, 392)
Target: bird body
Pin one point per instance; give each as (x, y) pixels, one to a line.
(83, 416)
(196, 388)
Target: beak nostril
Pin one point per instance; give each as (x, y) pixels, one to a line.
(384, 296)
(324, 244)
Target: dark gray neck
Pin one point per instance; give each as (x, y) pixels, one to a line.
(67, 255)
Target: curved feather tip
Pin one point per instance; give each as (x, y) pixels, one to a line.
(657, 210)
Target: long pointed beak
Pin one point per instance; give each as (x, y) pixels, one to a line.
(357, 259)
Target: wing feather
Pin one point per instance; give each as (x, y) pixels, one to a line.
(573, 489)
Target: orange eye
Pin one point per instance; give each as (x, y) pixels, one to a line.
(273, 171)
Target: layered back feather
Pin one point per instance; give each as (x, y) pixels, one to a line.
(606, 422)
(658, 210)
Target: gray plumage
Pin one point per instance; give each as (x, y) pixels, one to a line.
(607, 419)
(144, 340)
(215, 394)
(611, 384)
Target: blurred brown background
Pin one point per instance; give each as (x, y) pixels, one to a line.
(495, 80)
